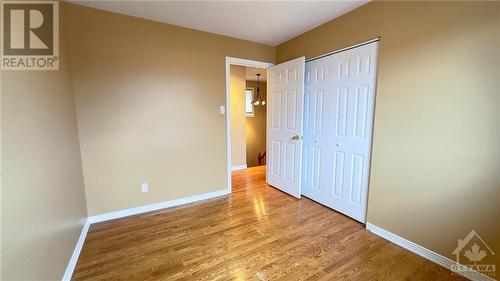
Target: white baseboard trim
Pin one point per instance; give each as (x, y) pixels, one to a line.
(238, 167)
(424, 252)
(156, 206)
(76, 252)
(128, 212)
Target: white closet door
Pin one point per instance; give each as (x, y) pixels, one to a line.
(340, 99)
(317, 97)
(284, 125)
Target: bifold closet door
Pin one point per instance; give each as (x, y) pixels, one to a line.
(284, 125)
(338, 121)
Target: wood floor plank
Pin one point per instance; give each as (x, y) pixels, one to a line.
(256, 233)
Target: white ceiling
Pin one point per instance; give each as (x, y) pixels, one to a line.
(251, 74)
(268, 22)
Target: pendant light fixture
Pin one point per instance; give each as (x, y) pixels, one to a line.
(258, 99)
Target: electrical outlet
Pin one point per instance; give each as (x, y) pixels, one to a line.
(145, 187)
(222, 109)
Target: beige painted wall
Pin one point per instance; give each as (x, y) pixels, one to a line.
(256, 127)
(238, 126)
(43, 200)
(436, 147)
(148, 97)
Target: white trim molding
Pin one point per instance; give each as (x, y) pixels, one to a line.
(249, 63)
(76, 252)
(128, 212)
(238, 167)
(156, 206)
(344, 49)
(424, 252)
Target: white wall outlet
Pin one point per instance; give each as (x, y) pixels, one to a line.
(145, 187)
(222, 109)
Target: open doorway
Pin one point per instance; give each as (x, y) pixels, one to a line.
(248, 118)
(256, 116)
(246, 102)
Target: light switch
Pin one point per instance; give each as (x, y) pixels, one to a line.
(222, 109)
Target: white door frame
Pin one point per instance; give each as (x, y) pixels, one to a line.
(243, 62)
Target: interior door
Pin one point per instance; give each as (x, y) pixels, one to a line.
(339, 107)
(284, 125)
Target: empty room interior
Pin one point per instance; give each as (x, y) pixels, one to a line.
(254, 140)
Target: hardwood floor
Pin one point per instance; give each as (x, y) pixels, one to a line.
(256, 233)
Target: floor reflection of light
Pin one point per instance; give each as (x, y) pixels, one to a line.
(239, 276)
(259, 207)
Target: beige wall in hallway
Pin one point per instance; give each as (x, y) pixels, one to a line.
(256, 127)
(43, 205)
(148, 97)
(436, 146)
(238, 126)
